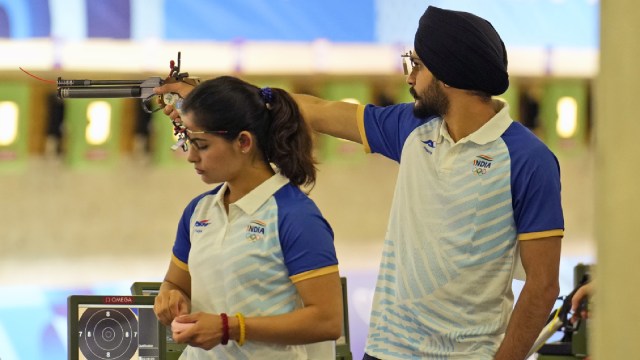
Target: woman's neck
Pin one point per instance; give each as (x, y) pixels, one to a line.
(245, 183)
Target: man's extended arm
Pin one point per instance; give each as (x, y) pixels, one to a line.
(335, 118)
(541, 262)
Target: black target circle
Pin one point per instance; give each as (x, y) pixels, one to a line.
(108, 334)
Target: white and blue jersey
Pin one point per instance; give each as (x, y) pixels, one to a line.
(451, 247)
(248, 260)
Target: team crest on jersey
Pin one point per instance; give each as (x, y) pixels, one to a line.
(255, 230)
(430, 146)
(481, 164)
(200, 224)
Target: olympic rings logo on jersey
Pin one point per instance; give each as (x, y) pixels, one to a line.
(478, 171)
(255, 230)
(481, 165)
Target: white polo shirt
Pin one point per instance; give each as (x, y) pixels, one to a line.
(248, 261)
(444, 284)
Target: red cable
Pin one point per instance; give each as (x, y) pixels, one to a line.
(39, 78)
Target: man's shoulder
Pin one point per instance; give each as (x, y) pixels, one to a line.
(522, 141)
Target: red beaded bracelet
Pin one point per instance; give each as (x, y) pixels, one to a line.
(225, 329)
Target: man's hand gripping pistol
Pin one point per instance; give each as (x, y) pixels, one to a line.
(84, 89)
(143, 89)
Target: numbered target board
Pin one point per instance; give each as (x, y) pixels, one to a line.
(114, 328)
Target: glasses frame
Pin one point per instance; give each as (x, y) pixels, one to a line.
(214, 132)
(183, 136)
(407, 60)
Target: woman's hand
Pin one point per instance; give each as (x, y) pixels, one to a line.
(205, 333)
(169, 304)
(580, 297)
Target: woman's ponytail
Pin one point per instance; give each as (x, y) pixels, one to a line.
(234, 105)
(290, 144)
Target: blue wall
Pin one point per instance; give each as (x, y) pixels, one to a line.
(546, 23)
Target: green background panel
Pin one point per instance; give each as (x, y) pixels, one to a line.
(79, 153)
(13, 156)
(334, 150)
(512, 97)
(553, 91)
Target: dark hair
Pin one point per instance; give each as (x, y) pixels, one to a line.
(233, 105)
(484, 96)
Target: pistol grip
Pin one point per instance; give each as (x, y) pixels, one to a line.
(174, 98)
(171, 99)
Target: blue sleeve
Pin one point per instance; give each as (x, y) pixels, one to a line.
(388, 127)
(182, 244)
(305, 235)
(535, 183)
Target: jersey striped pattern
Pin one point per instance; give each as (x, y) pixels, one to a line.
(444, 284)
(244, 261)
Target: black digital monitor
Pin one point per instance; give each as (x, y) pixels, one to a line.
(114, 327)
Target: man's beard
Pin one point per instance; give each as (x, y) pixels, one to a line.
(432, 102)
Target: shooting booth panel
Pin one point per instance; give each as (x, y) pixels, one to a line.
(343, 344)
(151, 289)
(573, 344)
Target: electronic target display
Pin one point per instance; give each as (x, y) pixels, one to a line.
(114, 328)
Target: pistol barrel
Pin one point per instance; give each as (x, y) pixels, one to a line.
(99, 92)
(87, 82)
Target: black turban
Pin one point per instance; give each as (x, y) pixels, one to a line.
(462, 50)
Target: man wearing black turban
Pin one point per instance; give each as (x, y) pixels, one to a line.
(476, 192)
(462, 50)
